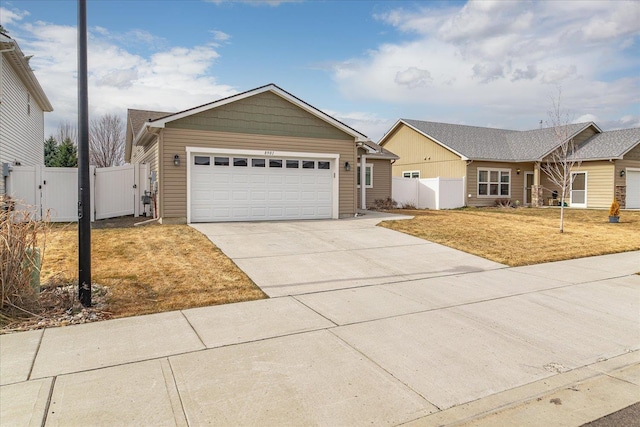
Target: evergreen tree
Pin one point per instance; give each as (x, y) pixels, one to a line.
(67, 156)
(50, 151)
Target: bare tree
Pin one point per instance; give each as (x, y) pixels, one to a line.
(106, 141)
(66, 130)
(560, 163)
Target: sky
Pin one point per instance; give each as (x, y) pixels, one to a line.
(367, 63)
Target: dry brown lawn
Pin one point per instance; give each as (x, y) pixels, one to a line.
(524, 236)
(149, 269)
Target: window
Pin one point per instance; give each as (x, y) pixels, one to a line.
(221, 161)
(258, 163)
(242, 162)
(274, 163)
(368, 176)
(494, 182)
(308, 164)
(293, 164)
(324, 165)
(202, 160)
(411, 174)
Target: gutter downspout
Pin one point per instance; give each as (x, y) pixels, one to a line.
(363, 184)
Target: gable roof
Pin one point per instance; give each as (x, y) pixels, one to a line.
(480, 143)
(14, 55)
(135, 121)
(608, 145)
(160, 122)
(375, 151)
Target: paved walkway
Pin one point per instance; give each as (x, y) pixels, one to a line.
(468, 342)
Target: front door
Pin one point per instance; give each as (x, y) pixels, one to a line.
(578, 190)
(528, 185)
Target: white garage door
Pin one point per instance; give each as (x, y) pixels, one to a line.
(633, 189)
(253, 188)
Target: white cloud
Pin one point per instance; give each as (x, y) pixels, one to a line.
(8, 17)
(220, 36)
(272, 3)
(501, 57)
(413, 77)
(371, 124)
(172, 79)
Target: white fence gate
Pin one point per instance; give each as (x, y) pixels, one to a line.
(115, 191)
(429, 193)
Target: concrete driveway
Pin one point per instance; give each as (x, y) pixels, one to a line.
(414, 334)
(300, 257)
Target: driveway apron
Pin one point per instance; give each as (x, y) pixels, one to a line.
(301, 257)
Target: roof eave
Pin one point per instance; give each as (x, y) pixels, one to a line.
(26, 75)
(462, 156)
(359, 137)
(570, 138)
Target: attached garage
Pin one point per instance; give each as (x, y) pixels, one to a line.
(228, 185)
(260, 155)
(633, 189)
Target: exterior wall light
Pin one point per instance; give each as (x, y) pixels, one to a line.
(347, 166)
(518, 171)
(176, 160)
(622, 172)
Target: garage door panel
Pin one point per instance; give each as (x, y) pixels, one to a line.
(241, 195)
(240, 179)
(219, 196)
(258, 195)
(244, 193)
(308, 196)
(292, 196)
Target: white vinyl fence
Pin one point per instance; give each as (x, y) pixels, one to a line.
(429, 193)
(115, 191)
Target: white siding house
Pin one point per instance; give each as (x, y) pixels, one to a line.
(22, 107)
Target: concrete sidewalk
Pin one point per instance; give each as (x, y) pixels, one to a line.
(550, 344)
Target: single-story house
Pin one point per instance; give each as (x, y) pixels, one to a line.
(22, 107)
(259, 155)
(506, 164)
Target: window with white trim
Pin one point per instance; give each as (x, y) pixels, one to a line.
(494, 182)
(368, 176)
(411, 174)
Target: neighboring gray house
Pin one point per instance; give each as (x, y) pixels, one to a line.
(506, 164)
(22, 107)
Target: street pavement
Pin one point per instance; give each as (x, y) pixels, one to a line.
(413, 333)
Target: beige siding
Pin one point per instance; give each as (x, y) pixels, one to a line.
(147, 154)
(584, 135)
(600, 183)
(420, 153)
(517, 182)
(173, 182)
(262, 114)
(630, 160)
(381, 182)
(634, 154)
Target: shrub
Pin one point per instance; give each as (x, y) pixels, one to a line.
(503, 203)
(20, 235)
(384, 204)
(614, 210)
(409, 205)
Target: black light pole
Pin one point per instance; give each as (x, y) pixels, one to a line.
(84, 192)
